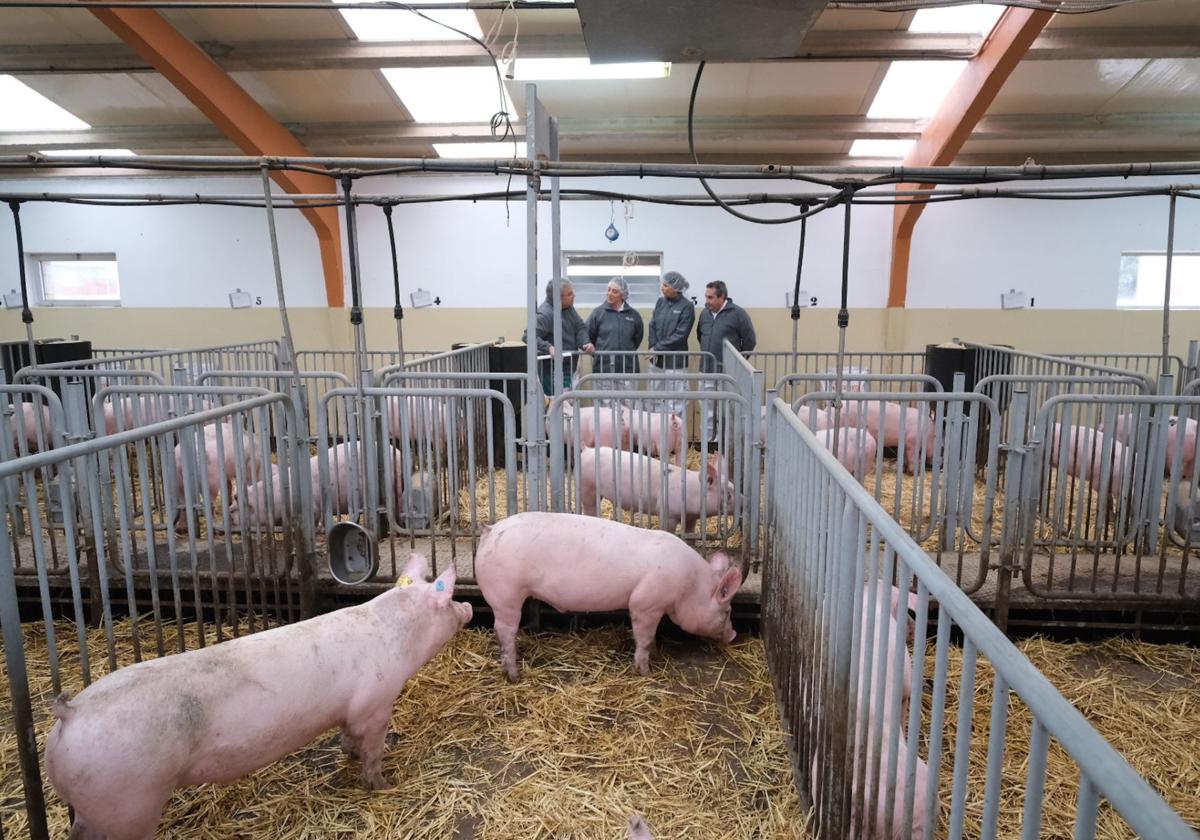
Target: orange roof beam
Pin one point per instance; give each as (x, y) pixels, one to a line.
(238, 115)
(960, 112)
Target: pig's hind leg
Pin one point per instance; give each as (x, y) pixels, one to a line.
(508, 620)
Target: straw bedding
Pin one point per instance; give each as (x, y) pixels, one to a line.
(569, 752)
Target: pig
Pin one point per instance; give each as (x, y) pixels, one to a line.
(125, 743)
(26, 420)
(600, 427)
(856, 448)
(217, 467)
(128, 412)
(659, 434)
(252, 509)
(919, 429)
(1085, 451)
(634, 482)
(638, 828)
(428, 423)
(1126, 432)
(815, 419)
(580, 564)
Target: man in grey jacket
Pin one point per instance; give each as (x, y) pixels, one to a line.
(615, 326)
(670, 326)
(721, 319)
(574, 336)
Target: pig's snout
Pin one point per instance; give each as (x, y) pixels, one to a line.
(464, 611)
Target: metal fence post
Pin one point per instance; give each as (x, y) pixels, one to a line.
(1017, 497)
(954, 464)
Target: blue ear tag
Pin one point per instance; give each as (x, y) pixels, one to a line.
(611, 233)
(440, 586)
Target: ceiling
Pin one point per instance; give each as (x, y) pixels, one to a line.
(1112, 86)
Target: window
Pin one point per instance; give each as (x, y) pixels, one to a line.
(1144, 278)
(76, 279)
(590, 271)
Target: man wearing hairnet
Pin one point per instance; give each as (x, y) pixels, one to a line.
(670, 326)
(615, 328)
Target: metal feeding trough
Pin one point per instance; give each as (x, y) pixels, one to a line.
(352, 556)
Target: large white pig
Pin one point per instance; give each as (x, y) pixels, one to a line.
(429, 424)
(581, 564)
(216, 468)
(213, 715)
(658, 433)
(920, 431)
(1084, 457)
(124, 412)
(252, 509)
(1177, 434)
(597, 427)
(816, 419)
(856, 448)
(27, 421)
(633, 482)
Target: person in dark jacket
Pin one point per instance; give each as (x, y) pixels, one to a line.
(721, 319)
(574, 336)
(670, 326)
(615, 326)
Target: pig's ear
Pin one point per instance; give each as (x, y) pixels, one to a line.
(416, 566)
(728, 585)
(711, 472)
(443, 587)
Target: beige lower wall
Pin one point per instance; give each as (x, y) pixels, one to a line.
(1046, 330)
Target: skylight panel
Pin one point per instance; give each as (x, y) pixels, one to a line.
(977, 18)
(549, 69)
(881, 148)
(24, 109)
(401, 25)
(449, 94)
(914, 89)
(487, 151)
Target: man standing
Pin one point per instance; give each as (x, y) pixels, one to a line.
(574, 336)
(615, 328)
(670, 326)
(721, 319)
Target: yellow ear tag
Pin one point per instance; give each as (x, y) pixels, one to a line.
(403, 581)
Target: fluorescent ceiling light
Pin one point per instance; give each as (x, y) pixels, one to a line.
(977, 18)
(881, 148)
(449, 94)
(88, 153)
(402, 25)
(544, 69)
(487, 151)
(914, 89)
(24, 109)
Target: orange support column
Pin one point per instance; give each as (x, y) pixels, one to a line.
(964, 106)
(242, 119)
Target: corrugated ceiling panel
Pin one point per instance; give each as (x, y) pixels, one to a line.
(52, 26)
(322, 95)
(1157, 13)
(1072, 87)
(1165, 85)
(118, 98)
(257, 24)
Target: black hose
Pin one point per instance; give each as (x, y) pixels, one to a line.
(26, 312)
(799, 271)
(356, 314)
(398, 310)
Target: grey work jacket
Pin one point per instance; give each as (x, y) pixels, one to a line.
(670, 326)
(612, 329)
(574, 334)
(731, 323)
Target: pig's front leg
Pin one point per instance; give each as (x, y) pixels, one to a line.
(645, 627)
(367, 737)
(508, 620)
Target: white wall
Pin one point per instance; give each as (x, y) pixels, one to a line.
(1066, 254)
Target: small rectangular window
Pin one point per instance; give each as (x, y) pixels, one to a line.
(1143, 281)
(590, 271)
(75, 279)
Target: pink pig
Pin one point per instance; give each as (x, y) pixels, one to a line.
(1126, 432)
(602, 427)
(658, 433)
(815, 419)
(24, 424)
(581, 564)
(919, 429)
(634, 482)
(1085, 452)
(856, 449)
(217, 467)
(128, 412)
(126, 742)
